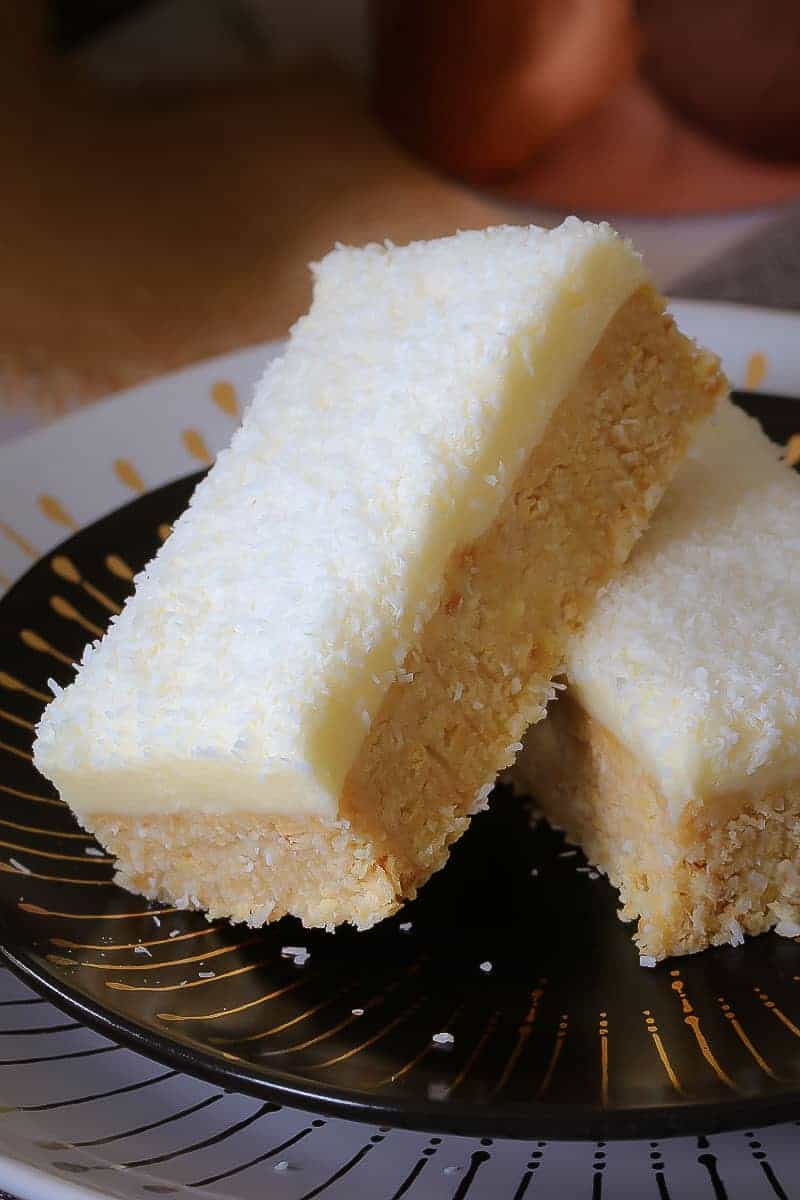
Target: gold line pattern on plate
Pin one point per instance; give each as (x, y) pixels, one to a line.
(185, 984)
(38, 910)
(224, 396)
(31, 796)
(117, 566)
(691, 1019)
(65, 569)
(4, 787)
(376, 1037)
(418, 1057)
(195, 444)
(38, 829)
(66, 944)
(5, 580)
(523, 1034)
(128, 476)
(15, 750)
(477, 1050)
(303, 1016)
(35, 641)
(230, 1012)
(57, 878)
(661, 1051)
(561, 1034)
(69, 612)
(736, 1026)
(23, 724)
(602, 1033)
(777, 1012)
(12, 684)
(152, 966)
(374, 1003)
(88, 859)
(314, 1041)
(19, 541)
(164, 531)
(54, 510)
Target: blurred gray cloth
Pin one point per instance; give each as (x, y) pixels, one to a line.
(764, 269)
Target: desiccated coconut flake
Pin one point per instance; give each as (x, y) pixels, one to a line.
(646, 960)
(787, 928)
(143, 950)
(406, 926)
(93, 851)
(443, 1039)
(485, 967)
(18, 866)
(736, 932)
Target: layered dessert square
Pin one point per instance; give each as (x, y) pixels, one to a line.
(341, 644)
(673, 758)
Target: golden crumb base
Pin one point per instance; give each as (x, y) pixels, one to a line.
(482, 671)
(716, 873)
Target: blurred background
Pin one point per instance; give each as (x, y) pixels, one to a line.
(170, 166)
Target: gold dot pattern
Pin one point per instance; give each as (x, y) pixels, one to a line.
(778, 1013)
(117, 566)
(70, 613)
(127, 474)
(34, 641)
(65, 569)
(55, 511)
(756, 371)
(224, 396)
(195, 444)
(18, 540)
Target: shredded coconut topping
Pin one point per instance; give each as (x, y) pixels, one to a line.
(669, 661)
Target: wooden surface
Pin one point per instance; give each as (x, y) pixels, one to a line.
(140, 230)
(141, 233)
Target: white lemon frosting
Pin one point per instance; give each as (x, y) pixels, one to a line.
(261, 641)
(691, 657)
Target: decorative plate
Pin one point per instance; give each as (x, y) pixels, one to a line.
(514, 950)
